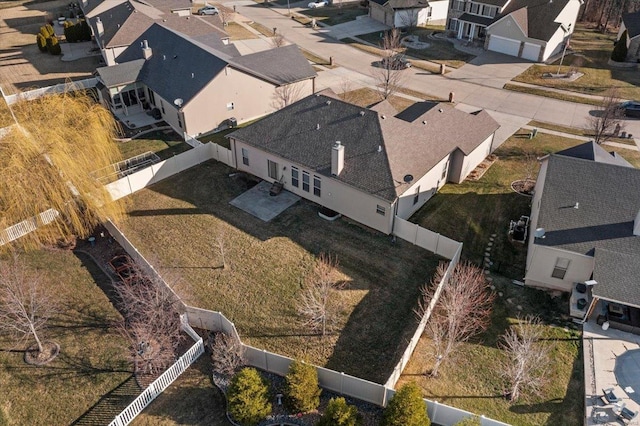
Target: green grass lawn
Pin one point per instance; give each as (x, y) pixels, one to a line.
(91, 369)
(335, 14)
(592, 51)
(165, 144)
(179, 221)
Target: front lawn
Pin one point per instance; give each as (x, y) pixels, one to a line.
(336, 14)
(90, 380)
(164, 143)
(592, 51)
(179, 222)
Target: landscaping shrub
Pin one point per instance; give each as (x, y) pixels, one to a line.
(469, 421)
(41, 42)
(301, 387)
(339, 413)
(248, 397)
(53, 46)
(85, 30)
(47, 31)
(70, 32)
(619, 53)
(406, 408)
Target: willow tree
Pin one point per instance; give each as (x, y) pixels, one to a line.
(46, 162)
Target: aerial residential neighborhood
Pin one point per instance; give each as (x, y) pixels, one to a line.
(270, 212)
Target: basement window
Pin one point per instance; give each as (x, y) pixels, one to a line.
(381, 210)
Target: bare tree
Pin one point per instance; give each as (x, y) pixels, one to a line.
(528, 357)
(606, 121)
(389, 75)
(227, 353)
(462, 311)
(25, 306)
(346, 91)
(151, 321)
(278, 40)
(225, 15)
(286, 95)
(314, 305)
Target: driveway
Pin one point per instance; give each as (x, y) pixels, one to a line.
(490, 69)
(362, 25)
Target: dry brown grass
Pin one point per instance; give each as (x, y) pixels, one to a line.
(238, 32)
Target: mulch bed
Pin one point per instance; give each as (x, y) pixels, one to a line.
(33, 356)
(524, 187)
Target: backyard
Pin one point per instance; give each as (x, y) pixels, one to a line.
(164, 143)
(91, 369)
(181, 221)
(334, 15)
(591, 52)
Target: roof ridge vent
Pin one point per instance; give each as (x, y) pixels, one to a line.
(361, 113)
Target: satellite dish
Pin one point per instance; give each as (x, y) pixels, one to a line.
(539, 233)
(178, 102)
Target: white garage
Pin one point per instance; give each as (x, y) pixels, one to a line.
(531, 51)
(504, 45)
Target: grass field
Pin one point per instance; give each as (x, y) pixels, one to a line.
(91, 369)
(592, 51)
(334, 15)
(164, 144)
(180, 220)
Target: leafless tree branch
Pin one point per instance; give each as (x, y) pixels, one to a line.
(388, 77)
(607, 119)
(227, 353)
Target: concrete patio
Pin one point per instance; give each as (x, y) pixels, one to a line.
(259, 203)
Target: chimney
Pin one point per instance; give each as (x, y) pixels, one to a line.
(636, 225)
(146, 50)
(337, 158)
(99, 27)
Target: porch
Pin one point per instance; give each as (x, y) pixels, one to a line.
(472, 27)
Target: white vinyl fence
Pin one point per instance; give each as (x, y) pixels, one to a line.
(161, 383)
(26, 226)
(428, 240)
(58, 88)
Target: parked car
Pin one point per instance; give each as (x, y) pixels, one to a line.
(316, 4)
(395, 63)
(631, 108)
(208, 10)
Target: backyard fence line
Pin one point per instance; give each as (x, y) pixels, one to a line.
(30, 95)
(191, 140)
(27, 226)
(127, 415)
(428, 240)
(408, 352)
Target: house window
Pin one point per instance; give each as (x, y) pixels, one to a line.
(316, 186)
(416, 197)
(117, 101)
(305, 181)
(162, 106)
(245, 156)
(152, 96)
(295, 176)
(489, 11)
(141, 94)
(429, 12)
(272, 169)
(445, 169)
(452, 25)
(560, 269)
(179, 121)
(381, 210)
(475, 8)
(457, 5)
(230, 106)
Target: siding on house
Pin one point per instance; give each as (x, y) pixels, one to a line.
(542, 261)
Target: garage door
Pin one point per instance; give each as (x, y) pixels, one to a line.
(504, 45)
(531, 51)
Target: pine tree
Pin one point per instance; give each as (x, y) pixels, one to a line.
(406, 408)
(248, 397)
(301, 387)
(339, 413)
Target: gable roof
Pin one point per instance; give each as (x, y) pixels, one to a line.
(594, 152)
(608, 201)
(617, 276)
(632, 23)
(282, 65)
(541, 12)
(380, 148)
(121, 74)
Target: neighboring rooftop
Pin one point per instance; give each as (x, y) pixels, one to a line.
(617, 276)
(632, 23)
(537, 18)
(381, 146)
(594, 152)
(589, 205)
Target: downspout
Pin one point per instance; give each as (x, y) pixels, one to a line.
(592, 305)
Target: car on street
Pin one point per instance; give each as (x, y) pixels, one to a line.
(630, 109)
(395, 63)
(316, 4)
(208, 10)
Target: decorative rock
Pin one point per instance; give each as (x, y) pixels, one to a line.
(519, 307)
(491, 239)
(492, 287)
(510, 301)
(486, 253)
(499, 294)
(486, 272)
(489, 279)
(489, 244)
(494, 235)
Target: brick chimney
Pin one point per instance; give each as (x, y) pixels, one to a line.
(337, 158)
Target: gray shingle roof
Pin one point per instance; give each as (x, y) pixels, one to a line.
(406, 146)
(632, 23)
(117, 75)
(475, 19)
(594, 152)
(541, 16)
(617, 275)
(608, 198)
(281, 66)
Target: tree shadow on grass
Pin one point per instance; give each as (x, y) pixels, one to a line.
(111, 404)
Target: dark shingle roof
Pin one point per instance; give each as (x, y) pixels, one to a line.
(269, 64)
(617, 276)
(608, 198)
(499, 3)
(475, 19)
(632, 23)
(594, 152)
(408, 4)
(540, 16)
(380, 148)
(121, 74)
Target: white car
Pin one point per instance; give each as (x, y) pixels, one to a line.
(208, 10)
(316, 4)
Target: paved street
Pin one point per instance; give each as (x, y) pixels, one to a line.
(355, 65)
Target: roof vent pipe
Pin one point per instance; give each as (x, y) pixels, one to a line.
(329, 102)
(318, 126)
(379, 148)
(337, 158)
(146, 50)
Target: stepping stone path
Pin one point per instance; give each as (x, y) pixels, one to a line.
(487, 258)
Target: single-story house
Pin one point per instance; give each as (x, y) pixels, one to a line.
(195, 87)
(585, 222)
(409, 13)
(530, 29)
(631, 24)
(369, 164)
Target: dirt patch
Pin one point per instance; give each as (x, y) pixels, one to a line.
(33, 356)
